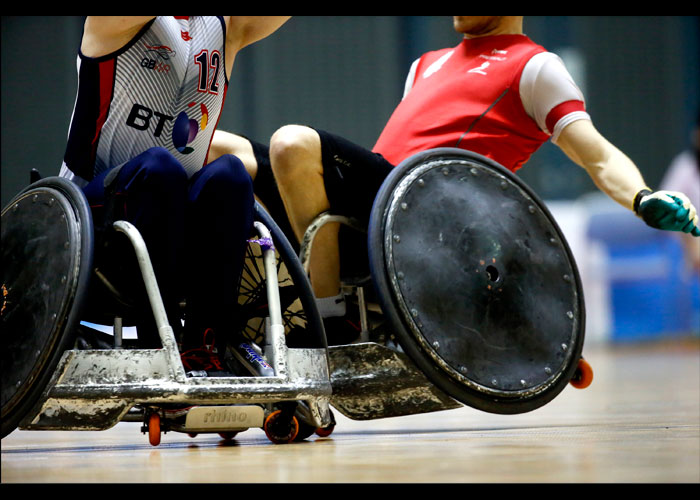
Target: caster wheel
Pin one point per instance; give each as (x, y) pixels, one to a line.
(305, 431)
(583, 376)
(154, 429)
(325, 431)
(281, 430)
(192, 434)
(228, 436)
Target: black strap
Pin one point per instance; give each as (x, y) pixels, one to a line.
(638, 198)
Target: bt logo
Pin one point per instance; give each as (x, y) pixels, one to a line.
(185, 129)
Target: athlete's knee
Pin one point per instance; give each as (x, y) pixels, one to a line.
(154, 170)
(294, 149)
(161, 165)
(226, 143)
(229, 174)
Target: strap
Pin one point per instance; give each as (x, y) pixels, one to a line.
(638, 198)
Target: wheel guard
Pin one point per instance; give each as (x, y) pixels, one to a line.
(44, 261)
(482, 288)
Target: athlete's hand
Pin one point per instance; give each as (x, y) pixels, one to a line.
(668, 210)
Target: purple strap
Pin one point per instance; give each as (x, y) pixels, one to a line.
(265, 243)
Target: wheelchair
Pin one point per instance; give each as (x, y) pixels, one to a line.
(60, 372)
(469, 296)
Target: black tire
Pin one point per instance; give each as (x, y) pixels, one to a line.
(418, 345)
(45, 286)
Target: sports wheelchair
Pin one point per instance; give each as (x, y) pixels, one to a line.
(470, 296)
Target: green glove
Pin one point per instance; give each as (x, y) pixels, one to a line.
(667, 210)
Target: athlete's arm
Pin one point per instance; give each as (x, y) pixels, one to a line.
(242, 31)
(615, 174)
(553, 100)
(610, 169)
(103, 35)
(245, 30)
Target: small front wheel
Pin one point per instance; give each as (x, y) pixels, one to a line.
(325, 431)
(583, 376)
(154, 429)
(281, 429)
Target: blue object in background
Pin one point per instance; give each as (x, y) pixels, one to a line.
(653, 295)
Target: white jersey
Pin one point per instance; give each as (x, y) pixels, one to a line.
(165, 88)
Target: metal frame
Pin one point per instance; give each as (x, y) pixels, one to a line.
(95, 389)
(373, 380)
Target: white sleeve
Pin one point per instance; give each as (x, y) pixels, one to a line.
(544, 84)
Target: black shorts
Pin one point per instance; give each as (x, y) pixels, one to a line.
(352, 176)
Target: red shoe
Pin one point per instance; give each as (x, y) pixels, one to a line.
(203, 358)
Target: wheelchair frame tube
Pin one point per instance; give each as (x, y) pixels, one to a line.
(270, 271)
(165, 331)
(276, 337)
(321, 220)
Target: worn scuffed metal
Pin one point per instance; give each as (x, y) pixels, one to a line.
(95, 389)
(372, 381)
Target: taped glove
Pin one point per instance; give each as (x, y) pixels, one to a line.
(667, 210)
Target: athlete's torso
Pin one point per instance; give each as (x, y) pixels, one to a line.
(165, 88)
(467, 97)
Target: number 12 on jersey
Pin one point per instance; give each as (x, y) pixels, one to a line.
(209, 67)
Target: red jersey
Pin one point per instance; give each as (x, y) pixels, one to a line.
(468, 97)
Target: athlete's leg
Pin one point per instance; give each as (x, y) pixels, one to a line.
(256, 158)
(317, 171)
(226, 143)
(148, 191)
(295, 156)
(219, 222)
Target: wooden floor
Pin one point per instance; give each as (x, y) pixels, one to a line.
(639, 422)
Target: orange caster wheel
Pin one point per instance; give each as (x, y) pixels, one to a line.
(325, 431)
(583, 376)
(280, 429)
(154, 429)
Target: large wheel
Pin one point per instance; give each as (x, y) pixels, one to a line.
(47, 250)
(477, 281)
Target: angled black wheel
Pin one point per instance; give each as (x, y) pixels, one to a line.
(300, 316)
(47, 250)
(477, 281)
